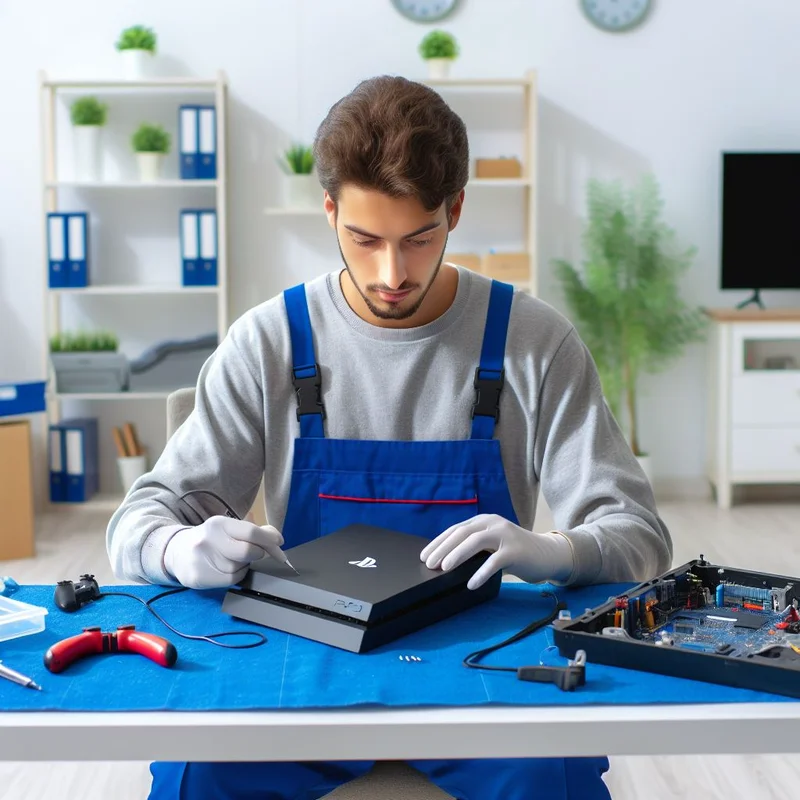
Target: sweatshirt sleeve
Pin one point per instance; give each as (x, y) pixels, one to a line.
(219, 448)
(600, 498)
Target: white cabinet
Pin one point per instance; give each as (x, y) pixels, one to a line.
(754, 399)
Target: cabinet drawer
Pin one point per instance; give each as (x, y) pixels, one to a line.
(767, 450)
(766, 399)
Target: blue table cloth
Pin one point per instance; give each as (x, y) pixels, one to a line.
(293, 673)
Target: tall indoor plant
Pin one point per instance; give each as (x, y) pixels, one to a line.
(88, 116)
(626, 301)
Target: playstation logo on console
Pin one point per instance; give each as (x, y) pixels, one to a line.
(365, 563)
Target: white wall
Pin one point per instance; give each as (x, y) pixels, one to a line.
(701, 76)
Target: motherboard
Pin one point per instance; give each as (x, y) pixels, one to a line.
(745, 621)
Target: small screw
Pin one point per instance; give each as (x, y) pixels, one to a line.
(409, 658)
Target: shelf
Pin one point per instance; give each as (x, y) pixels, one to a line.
(100, 502)
(486, 83)
(123, 85)
(137, 290)
(473, 182)
(113, 395)
(165, 184)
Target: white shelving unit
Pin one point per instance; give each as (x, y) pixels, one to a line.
(527, 84)
(102, 194)
(528, 87)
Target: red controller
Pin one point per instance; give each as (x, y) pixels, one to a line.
(126, 640)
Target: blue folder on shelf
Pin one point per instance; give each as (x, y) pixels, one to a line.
(207, 143)
(197, 133)
(73, 457)
(58, 269)
(199, 245)
(68, 249)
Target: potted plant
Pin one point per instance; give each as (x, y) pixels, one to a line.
(439, 49)
(150, 143)
(302, 185)
(88, 117)
(626, 301)
(137, 48)
(88, 362)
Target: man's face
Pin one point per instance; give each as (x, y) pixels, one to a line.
(392, 248)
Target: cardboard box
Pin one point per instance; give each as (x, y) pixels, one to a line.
(507, 266)
(498, 168)
(469, 260)
(16, 491)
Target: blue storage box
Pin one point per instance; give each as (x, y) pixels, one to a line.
(21, 398)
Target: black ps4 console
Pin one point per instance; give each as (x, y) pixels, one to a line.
(357, 588)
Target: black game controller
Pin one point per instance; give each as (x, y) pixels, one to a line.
(71, 596)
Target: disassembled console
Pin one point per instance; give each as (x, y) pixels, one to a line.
(699, 621)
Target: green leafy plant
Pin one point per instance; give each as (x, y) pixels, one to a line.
(626, 301)
(439, 44)
(151, 139)
(84, 342)
(137, 37)
(298, 160)
(88, 111)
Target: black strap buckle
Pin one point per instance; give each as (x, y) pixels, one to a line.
(309, 393)
(487, 395)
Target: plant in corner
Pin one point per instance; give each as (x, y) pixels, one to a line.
(150, 143)
(303, 189)
(137, 47)
(439, 49)
(626, 301)
(88, 116)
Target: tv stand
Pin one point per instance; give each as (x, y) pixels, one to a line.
(755, 298)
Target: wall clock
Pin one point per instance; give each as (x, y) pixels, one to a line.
(616, 15)
(425, 10)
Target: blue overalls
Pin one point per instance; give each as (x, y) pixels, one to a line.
(421, 487)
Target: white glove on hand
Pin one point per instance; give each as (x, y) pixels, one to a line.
(534, 557)
(219, 552)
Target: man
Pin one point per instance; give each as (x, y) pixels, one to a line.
(398, 342)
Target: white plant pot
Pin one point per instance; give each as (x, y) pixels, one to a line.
(646, 463)
(303, 191)
(136, 64)
(439, 67)
(150, 166)
(88, 152)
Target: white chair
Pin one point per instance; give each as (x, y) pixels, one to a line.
(388, 780)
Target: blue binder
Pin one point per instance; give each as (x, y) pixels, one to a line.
(78, 249)
(58, 270)
(199, 246)
(208, 248)
(58, 466)
(79, 448)
(188, 135)
(207, 142)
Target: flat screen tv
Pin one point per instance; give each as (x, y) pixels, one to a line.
(760, 222)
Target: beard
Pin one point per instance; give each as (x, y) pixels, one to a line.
(394, 312)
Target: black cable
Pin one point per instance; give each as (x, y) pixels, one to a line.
(470, 660)
(211, 638)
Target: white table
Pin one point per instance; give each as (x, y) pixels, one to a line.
(400, 734)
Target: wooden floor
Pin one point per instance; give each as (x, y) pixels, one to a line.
(758, 535)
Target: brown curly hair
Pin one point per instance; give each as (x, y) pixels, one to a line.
(395, 136)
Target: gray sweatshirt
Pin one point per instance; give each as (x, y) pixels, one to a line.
(555, 429)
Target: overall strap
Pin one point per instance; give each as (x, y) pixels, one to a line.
(490, 375)
(306, 376)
